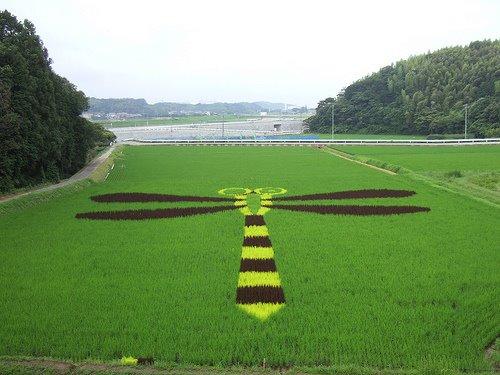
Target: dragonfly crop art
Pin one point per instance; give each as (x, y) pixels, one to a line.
(259, 291)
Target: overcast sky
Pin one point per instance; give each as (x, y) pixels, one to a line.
(297, 52)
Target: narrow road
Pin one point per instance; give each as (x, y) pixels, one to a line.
(82, 174)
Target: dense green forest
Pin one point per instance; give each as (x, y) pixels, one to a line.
(424, 94)
(42, 136)
(141, 107)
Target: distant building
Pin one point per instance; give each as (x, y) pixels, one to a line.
(263, 114)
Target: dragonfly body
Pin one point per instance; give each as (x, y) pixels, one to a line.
(259, 291)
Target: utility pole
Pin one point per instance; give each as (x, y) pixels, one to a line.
(333, 119)
(222, 126)
(466, 118)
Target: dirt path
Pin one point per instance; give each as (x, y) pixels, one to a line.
(84, 173)
(333, 152)
(45, 365)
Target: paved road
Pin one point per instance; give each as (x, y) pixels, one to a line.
(84, 173)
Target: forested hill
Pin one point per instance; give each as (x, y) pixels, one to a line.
(42, 136)
(424, 94)
(141, 107)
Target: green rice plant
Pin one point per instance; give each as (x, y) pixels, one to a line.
(410, 292)
(453, 174)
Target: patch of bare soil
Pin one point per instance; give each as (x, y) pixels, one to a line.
(66, 367)
(489, 355)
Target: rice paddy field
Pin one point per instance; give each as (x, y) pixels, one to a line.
(417, 291)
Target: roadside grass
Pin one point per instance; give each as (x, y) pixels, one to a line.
(473, 170)
(96, 176)
(399, 294)
(102, 171)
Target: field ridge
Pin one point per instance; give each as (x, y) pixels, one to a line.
(476, 193)
(45, 365)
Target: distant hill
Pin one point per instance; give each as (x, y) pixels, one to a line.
(424, 94)
(141, 107)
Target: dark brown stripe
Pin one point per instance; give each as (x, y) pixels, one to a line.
(149, 197)
(254, 220)
(263, 294)
(261, 241)
(257, 265)
(151, 214)
(350, 194)
(354, 210)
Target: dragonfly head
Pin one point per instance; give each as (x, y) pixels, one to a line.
(255, 198)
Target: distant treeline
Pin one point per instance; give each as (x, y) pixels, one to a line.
(141, 107)
(42, 136)
(424, 94)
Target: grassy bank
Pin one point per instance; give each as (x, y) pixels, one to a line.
(473, 170)
(367, 136)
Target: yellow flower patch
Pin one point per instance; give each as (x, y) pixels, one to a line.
(128, 361)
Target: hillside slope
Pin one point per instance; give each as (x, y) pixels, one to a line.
(424, 94)
(42, 136)
(140, 106)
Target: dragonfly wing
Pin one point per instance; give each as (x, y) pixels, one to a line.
(353, 210)
(350, 194)
(144, 214)
(153, 197)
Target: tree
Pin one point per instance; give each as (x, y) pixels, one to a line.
(42, 136)
(422, 95)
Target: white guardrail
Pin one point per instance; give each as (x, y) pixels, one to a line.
(316, 142)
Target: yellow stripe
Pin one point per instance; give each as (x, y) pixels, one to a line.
(266, 203)
(254, 252)
(246, 211)
(262, 211)
(261, 311)
(259, 278)
(240, 203)
(256, 231)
